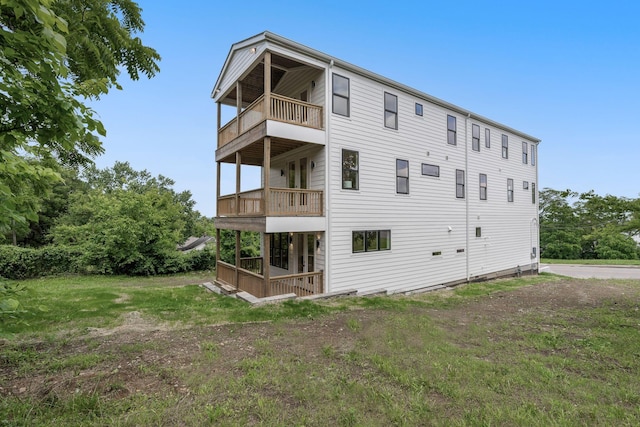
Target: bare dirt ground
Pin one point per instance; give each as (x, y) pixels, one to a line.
(142, 354)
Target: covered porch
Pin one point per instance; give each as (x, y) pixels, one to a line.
(293, 265)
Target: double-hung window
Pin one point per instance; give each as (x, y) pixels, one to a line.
(533, 193)
(509, 190)
(349, 170)
(483, 186)
(533, 154)
(390, 111)
(459, 184)
(475, 137)
(451, 130)
(505, 146)
(340, 95)
(402, 176)
(525, 153)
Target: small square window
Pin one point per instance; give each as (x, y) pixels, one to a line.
(525, 185)
(418, 109)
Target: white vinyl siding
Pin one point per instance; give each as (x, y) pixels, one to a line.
(419, 222)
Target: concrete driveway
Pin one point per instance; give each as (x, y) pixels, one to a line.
(593, 271)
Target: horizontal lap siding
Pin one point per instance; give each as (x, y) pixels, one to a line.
(419, 222)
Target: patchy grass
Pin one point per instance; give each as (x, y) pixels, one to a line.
(538, 350)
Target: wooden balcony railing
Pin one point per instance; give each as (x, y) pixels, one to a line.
(301, 284)
(281, 202)
(282, 109)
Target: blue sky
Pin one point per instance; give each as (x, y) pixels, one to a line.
(563, 71)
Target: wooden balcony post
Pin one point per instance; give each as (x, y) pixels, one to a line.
(267, 85)
(266, 170)
(219, 116)
(238, 242)
(218, 174)
(238, 106)
(266, 264)
(217, 251)
(238, 179)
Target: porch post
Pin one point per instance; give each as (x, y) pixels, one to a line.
(217, 251)
(238, 105)
(237, 259)
(238, 169)
(217, 188)
(267, 84)
(266, 256)
(266, 171)
(219, 115)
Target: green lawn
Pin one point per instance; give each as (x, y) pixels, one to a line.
(538, 350)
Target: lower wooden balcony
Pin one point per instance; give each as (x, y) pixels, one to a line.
(251, 280)
(280, 202)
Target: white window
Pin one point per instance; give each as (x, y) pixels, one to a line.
(483, 186)
(509, 190)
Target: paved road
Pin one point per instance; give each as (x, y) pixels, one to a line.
(593, 271)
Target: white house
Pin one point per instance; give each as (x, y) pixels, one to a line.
(367, 184)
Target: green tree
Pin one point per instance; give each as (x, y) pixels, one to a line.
(559, 225)
(122, 177)
(123, 232)
(54, 55)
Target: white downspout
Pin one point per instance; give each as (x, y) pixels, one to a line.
(466, 168)
(327, 179)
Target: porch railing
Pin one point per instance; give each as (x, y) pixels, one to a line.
(301, 284)
(282, 202)
(282, 109)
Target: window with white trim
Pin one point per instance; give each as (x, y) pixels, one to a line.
(419, 109)
(525, 152)
(487, 138)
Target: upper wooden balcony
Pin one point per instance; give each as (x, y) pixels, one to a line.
(280, 202)
(280, 109)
